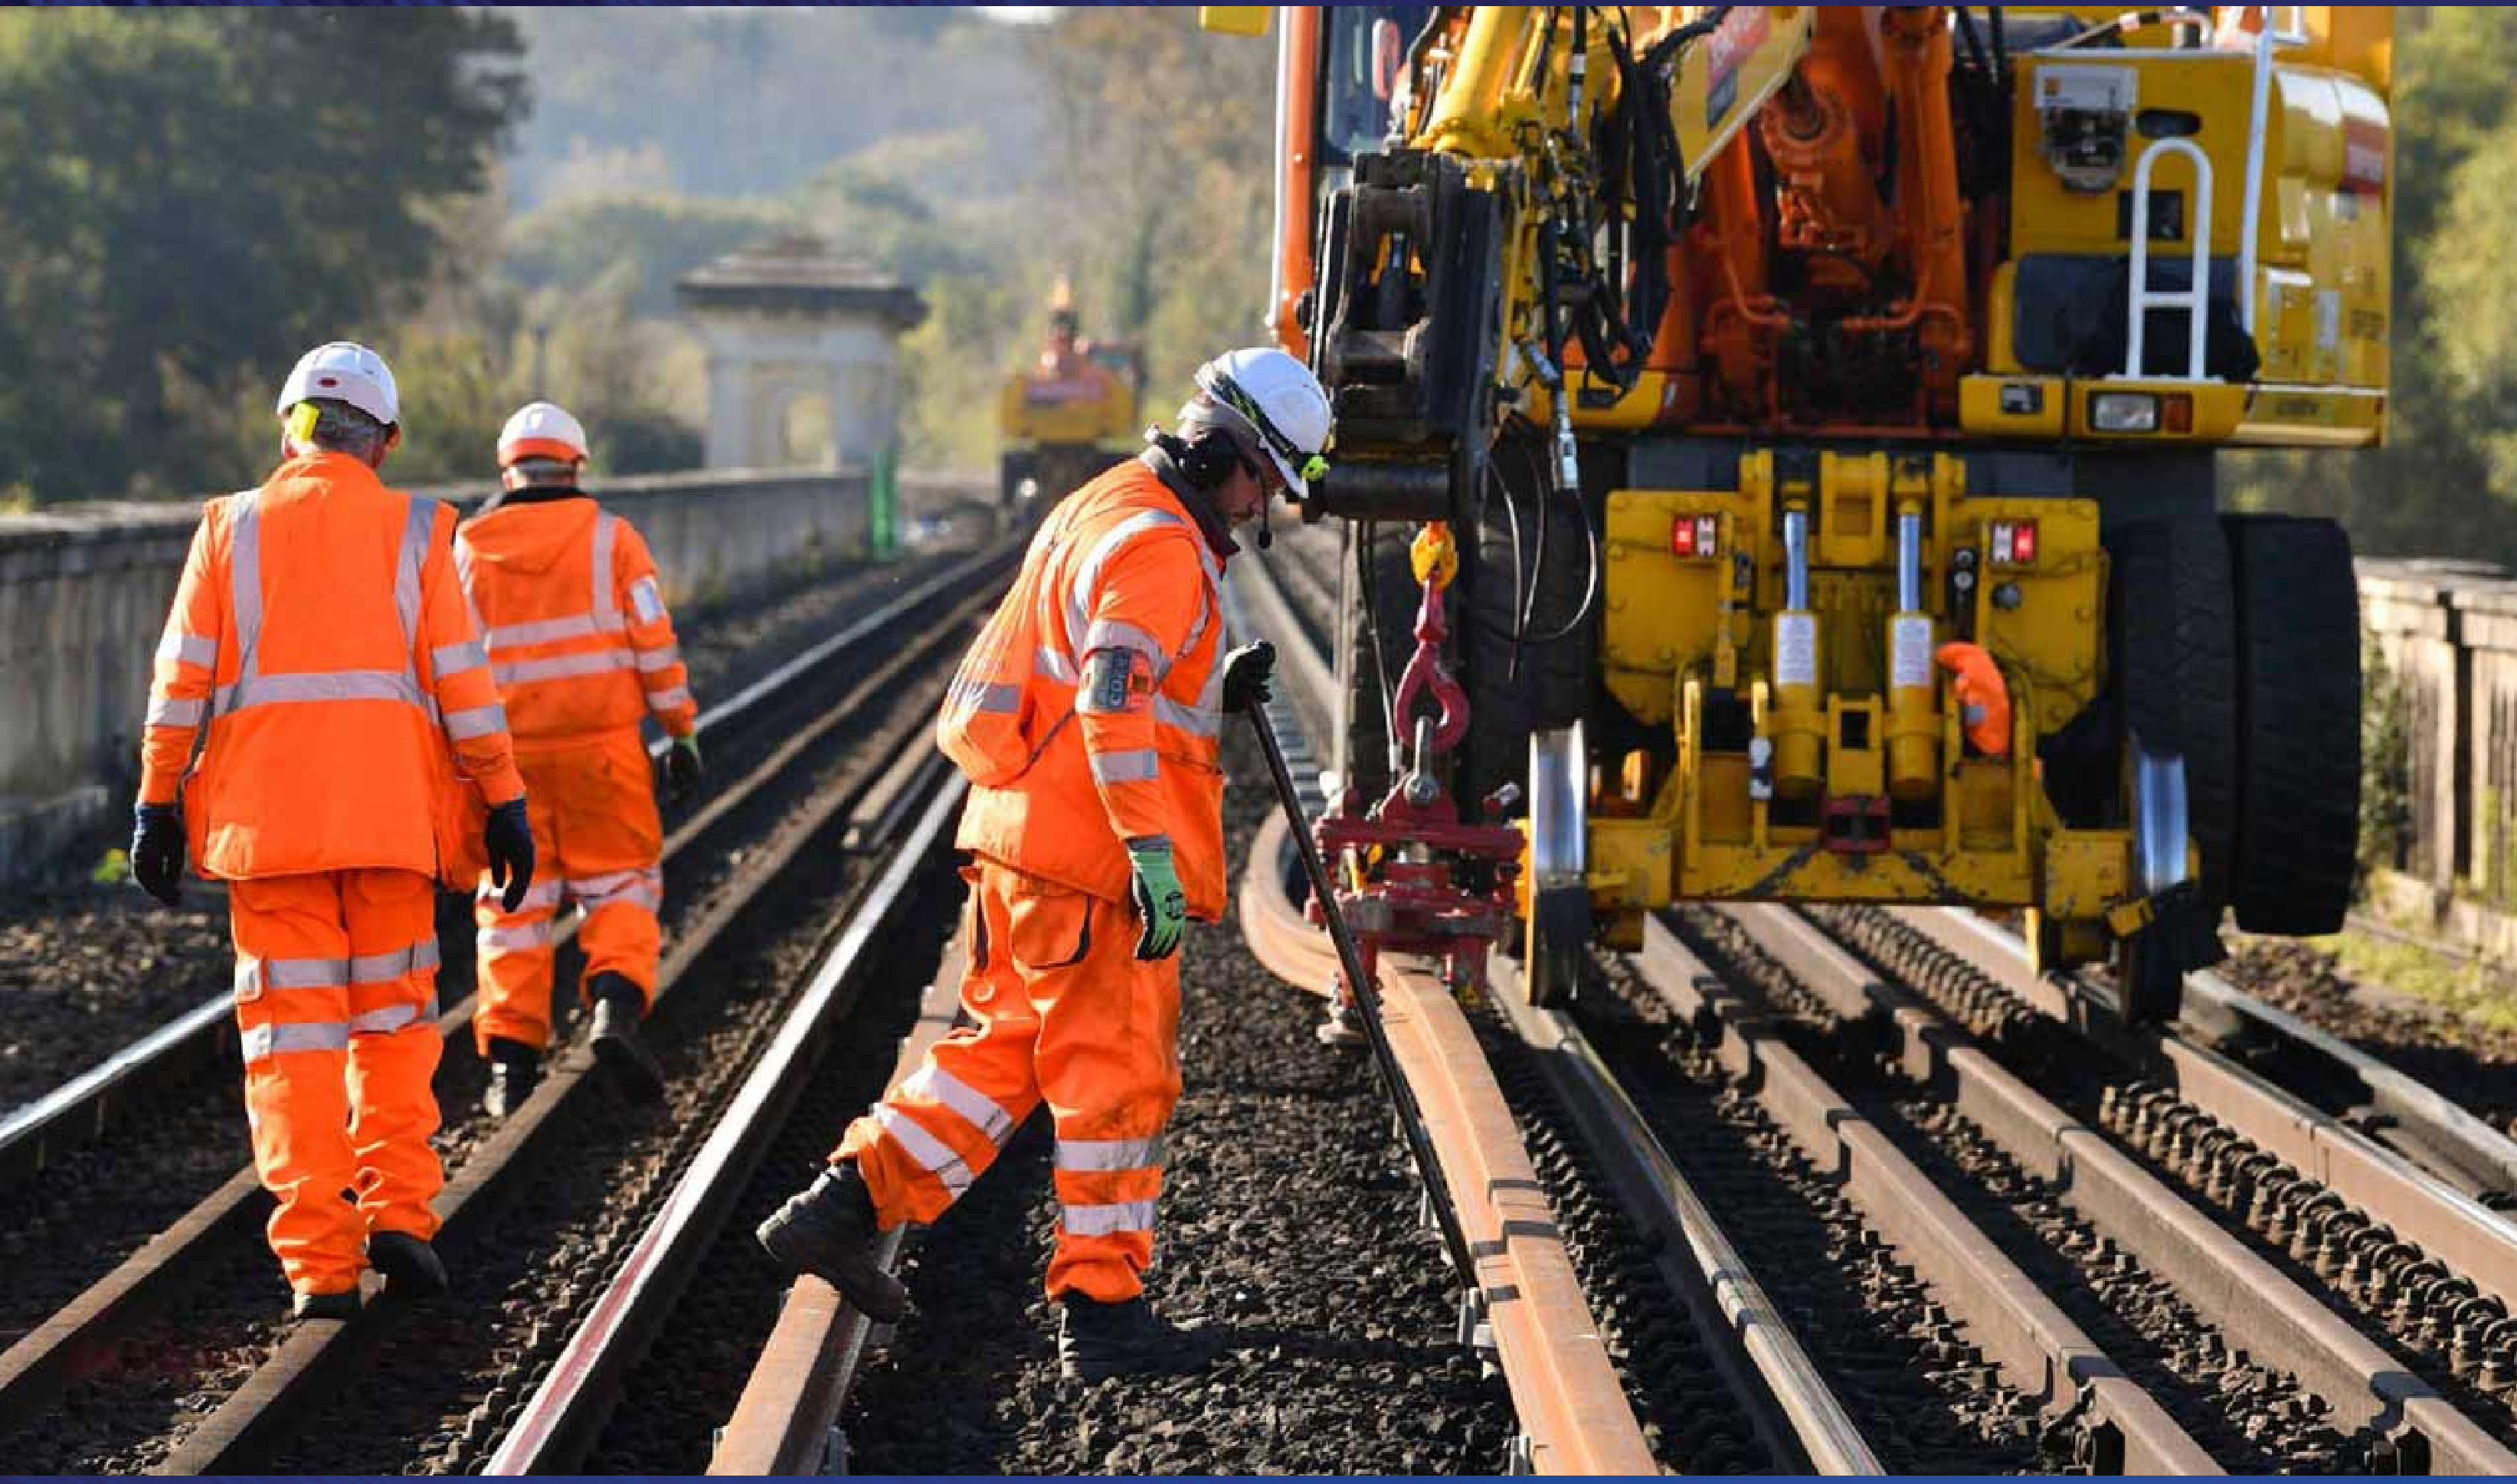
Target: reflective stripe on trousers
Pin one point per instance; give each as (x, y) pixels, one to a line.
(265, 1040)
(255, 975)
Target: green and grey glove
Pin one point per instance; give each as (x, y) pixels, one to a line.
(1156, 890)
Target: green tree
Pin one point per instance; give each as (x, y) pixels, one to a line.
(196, 196)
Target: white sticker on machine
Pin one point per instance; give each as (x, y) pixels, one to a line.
(1909, 651)
(1795, 648)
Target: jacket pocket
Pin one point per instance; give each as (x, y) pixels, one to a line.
(1049, 929)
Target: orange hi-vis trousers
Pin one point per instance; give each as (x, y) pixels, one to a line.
(1064, 1012)
(336, 1002)
(598, 842)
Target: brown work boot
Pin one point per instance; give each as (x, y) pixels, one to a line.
(829, 1231)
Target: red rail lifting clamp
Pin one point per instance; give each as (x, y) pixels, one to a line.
(1412, 876)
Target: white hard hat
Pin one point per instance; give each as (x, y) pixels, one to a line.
(540, 430)
(344, 371)
(1279, 397)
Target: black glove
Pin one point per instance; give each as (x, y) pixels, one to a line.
(682, 770)
(157, 850)
(510, 842)
(1244, 676)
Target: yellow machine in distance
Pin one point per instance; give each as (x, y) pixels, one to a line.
(1070, 415)
(1793, 374)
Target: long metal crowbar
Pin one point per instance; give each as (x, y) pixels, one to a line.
(1367, 1002)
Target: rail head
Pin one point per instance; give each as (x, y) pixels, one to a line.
(558, 1421)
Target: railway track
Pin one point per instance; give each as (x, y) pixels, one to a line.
(2237, 1244)
(121, 1374)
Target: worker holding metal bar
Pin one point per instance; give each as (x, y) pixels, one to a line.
(583, 651)
(354, 740)
(1088, 716)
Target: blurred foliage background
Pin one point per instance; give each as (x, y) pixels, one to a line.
(501, 200)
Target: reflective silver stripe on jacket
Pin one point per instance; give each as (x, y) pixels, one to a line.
(932, 1154)
(1088, 572)
(559, 666)
(977, 1108)
(1054, 665)
(1106, 1221)
(1118, 633)
(479, 721)
(606, 607)
(166, 712)
(1104, 1156)
(666, 700)
(1130, 767)
(190, 648)
(252, 688)
(983, 696)
(511, 636)
(454, 659)
(664, 658)
(1197, 721)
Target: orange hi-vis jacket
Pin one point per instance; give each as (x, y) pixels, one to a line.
(1119, 564)
(578, 636)
(319, 632)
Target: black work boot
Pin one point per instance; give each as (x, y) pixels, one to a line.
(830, 1230)
(515, 1071)
(1099, 1340)
(340, 1305)
(617, 1006)
(411, 1265)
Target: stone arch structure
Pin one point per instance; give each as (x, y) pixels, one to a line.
(789, 321)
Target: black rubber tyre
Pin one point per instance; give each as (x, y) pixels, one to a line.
(2297, 723)
(2175, 672)
(1550, 686)
(1375, 565)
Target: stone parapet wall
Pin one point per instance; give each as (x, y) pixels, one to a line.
(84, 591)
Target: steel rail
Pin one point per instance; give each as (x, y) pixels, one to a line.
(1795, 1412)
(42, 1131)
(786, 1420)
(562, 1417)
(1524, 1294)
(2041, 1351)
(2450, 1225)
(83, 1332)
(319, 1356)
(2280, 1323)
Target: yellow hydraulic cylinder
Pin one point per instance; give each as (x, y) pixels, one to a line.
(1914, 723)
(1799, 717)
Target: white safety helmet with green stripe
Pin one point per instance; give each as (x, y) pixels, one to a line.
(1280, 397)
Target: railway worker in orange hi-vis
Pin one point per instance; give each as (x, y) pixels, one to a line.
(585, 652)
(1088, 715)
(354, 740)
